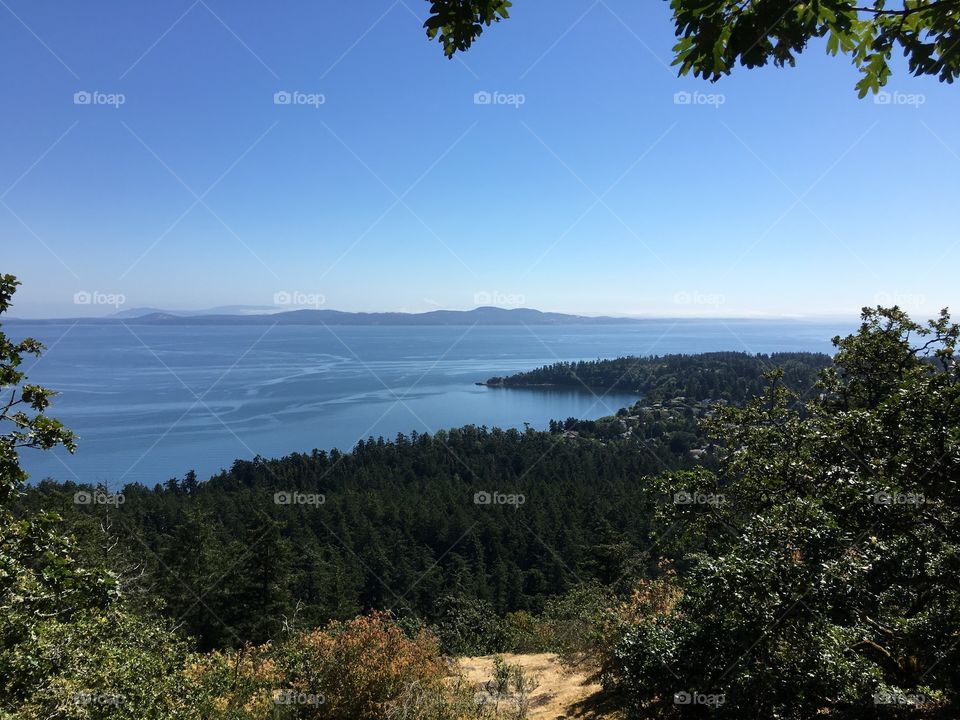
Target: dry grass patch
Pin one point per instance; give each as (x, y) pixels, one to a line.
(561, 692)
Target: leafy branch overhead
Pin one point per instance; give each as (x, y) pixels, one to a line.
(456, 23)
(717, 35)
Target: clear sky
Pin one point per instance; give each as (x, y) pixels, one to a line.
(177, 181)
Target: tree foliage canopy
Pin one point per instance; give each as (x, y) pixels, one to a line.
(714, 36)
(825, 574)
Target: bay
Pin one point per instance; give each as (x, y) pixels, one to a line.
(150, 403)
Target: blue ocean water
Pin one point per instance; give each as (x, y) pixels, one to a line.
(150, 403)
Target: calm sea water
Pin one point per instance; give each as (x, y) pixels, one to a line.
(150, 403)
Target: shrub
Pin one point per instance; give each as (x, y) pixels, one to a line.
(524, 633)
(360, 667)
(508, 691)
(579, 622)
(468, 626)
(364, 669)
(101, 665)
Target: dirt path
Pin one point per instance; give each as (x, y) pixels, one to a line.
(562, 692)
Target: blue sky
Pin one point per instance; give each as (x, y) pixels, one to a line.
(584, 187)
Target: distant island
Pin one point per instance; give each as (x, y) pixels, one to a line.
(269, 315)
(140, 312)
(477, 316)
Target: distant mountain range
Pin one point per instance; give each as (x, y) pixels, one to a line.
(221, 310)
(229, 316)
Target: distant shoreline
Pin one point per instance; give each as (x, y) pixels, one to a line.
(502, 384)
